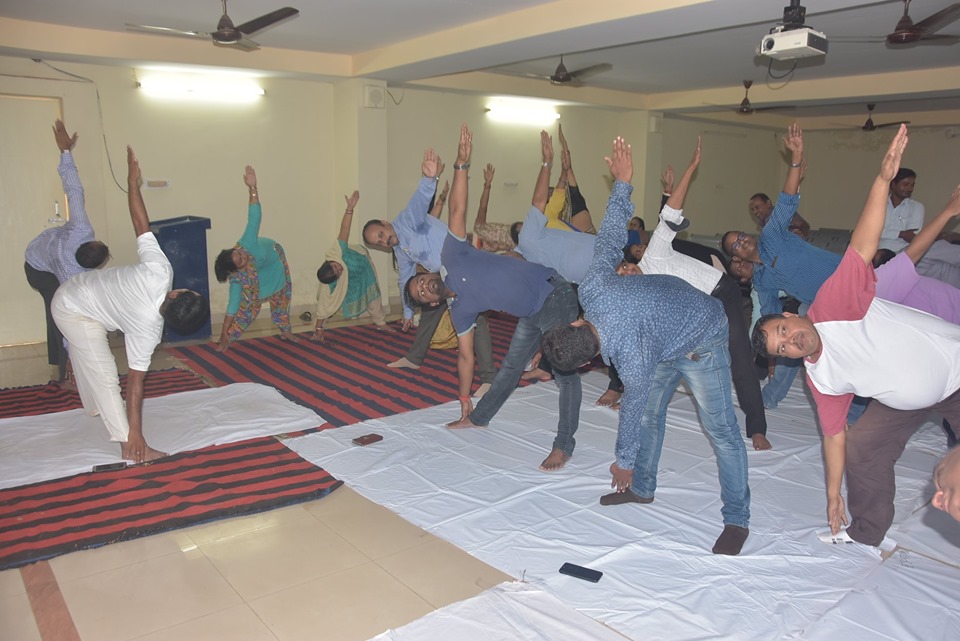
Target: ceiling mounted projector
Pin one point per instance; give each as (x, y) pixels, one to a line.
(793, 44)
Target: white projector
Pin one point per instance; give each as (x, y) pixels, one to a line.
(793, 44)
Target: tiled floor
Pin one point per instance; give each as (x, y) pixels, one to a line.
(340, 569)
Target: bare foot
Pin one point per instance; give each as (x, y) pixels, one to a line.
(760, 442)
(385, 328)
(289, 336)
(139, 451)
(483, 389)
(67, 384)
(555, 460)
(627, 496)
(615, 406)
(536, 374)
(610, 398)
(403, 362)
(461, 424)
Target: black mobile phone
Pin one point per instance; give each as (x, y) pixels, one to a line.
(581, 572)
(106, 467)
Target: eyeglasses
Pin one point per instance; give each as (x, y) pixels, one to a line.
(735, 245)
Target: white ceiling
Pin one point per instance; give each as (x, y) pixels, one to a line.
(671, 55)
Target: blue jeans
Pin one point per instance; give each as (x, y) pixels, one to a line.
(560, 308)
(779, 384)
(707, 372)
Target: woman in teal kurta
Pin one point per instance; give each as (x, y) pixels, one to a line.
(348, 282)
(258, 272)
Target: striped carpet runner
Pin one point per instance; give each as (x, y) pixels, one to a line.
(47, 519)
(345, 379)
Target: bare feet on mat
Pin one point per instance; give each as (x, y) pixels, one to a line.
(462, 424)
(385, 328)
(136, 450)
(289, 336)
(627, 496)
(610, 398)
(555, 460)
(403, 362)
(760, 442)
(536, 374)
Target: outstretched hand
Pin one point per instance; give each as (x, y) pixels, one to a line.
(620, 160)
(667, 178)
(546, 147)
(431, 164)
(563, 140)
(64, 141)
(891, 160)
(695, 161)
(250, 177)
(488, 172)
(465, 146)
(953, 205)
(133, 169)
(793, 141)
(352, 199)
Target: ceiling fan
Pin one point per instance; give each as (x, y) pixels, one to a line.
(869, 126)
(226, 33)
(745, 108)
(564, 77)
(908, 32)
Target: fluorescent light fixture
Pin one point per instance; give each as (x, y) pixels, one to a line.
(522, 112)
(200, 87)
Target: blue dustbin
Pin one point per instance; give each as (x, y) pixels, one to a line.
(184, 242)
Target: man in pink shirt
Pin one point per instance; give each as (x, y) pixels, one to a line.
(852, 342)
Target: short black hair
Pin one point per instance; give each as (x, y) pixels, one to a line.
(759, 337)
(367, 225)
(187, 312)
(224, 265)
(882, 256)
(628, 255)
(326, 274)
(515, 232)
(762, 196)
(408, 297)
(92, 254)
(643, 225)
(569, 346)
(902, 173)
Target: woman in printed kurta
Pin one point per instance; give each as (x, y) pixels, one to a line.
(348, 283)
(258, 272)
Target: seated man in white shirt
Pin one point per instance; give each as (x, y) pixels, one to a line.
(137, 300)
(854, 343)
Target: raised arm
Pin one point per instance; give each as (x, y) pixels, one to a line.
(613, 231)
(69, 177)
(138, 211)
(543, 178)
(458, 193)
(866, 235)
(793, 141)
(254, 212)
(679, 193)
(488, 172)
(932, 231)
(347, 219)
(439, 201)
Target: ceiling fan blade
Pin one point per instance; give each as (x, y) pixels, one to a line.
(592, 70)
(244, 44)
(942, 39)
(267, 20)
(167, 31)
(892, 124)
(939, 20)
(773, 108)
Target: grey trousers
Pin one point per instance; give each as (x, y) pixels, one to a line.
(482, 343)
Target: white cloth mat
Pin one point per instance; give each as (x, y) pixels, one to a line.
(481, 490)
(500, 614)
(49, 446)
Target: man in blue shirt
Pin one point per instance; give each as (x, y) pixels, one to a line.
(474, 281)
(781, 260)
(416, 238)
(656, 330)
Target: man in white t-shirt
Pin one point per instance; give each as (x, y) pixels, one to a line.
(906, 360)
(137, 300)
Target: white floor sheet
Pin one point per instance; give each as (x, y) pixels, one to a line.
(481, 490)
(49, 446)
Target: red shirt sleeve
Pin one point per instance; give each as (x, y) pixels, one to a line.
(847, 294)
(832, 410)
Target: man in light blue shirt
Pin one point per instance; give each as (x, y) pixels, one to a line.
(416, 238)
(657, 330)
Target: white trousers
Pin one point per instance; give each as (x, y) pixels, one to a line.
(94, 368)
(942, 261)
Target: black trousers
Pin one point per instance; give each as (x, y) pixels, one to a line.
(46, 283)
